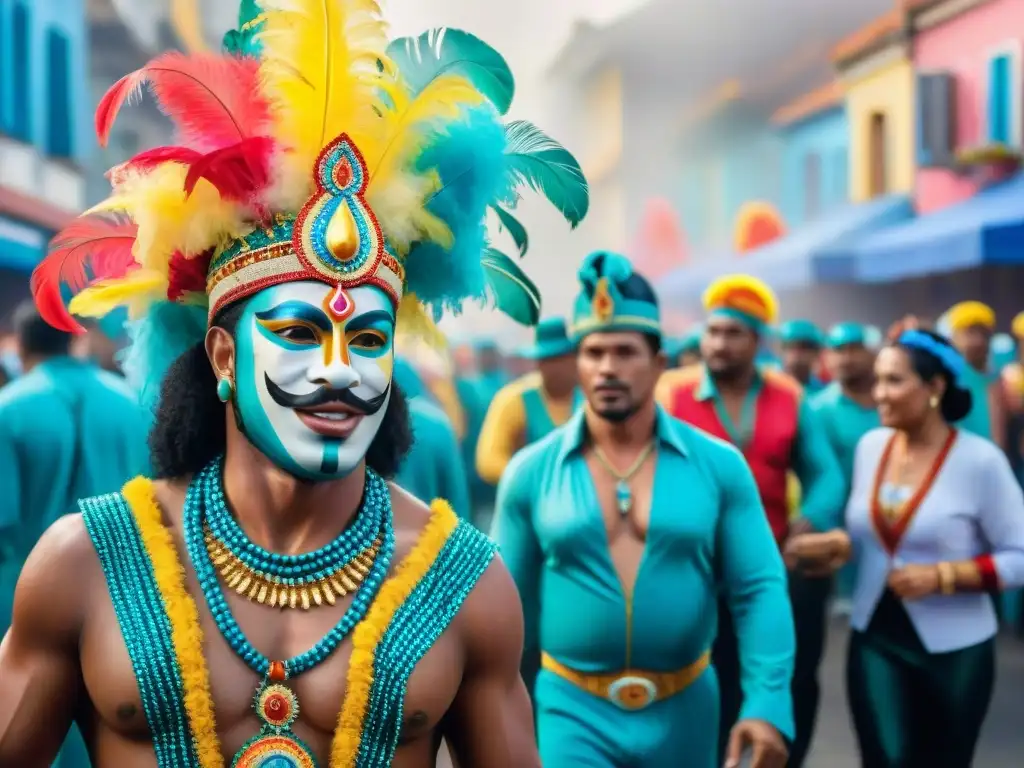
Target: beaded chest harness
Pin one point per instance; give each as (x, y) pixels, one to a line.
(396, 619)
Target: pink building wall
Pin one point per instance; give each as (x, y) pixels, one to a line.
(963, 46)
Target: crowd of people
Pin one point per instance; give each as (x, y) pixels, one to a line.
(613, 548)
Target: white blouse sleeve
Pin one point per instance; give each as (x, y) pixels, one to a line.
(1002, 518)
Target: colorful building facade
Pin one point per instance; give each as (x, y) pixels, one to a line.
(45, 137)
(968, 62)
(815, 155)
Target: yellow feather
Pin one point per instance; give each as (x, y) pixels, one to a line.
(400, 210)
(136, 291)
(413, 322)
(409, 123)
(319, 68)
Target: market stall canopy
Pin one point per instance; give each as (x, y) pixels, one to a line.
(985, 229)
(789, 262)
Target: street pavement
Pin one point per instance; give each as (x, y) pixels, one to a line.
(1002, 742)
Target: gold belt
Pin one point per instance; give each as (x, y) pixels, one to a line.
(631, 689)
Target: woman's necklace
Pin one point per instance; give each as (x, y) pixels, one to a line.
(894, 495)
(275, 704)
(623, 492)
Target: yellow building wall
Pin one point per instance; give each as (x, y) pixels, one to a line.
(891, 91)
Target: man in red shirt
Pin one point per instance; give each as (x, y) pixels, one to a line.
(764, 413)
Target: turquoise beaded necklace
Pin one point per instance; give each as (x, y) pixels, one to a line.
(276, 705)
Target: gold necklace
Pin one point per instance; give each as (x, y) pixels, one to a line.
(623, 493)
(269, 590)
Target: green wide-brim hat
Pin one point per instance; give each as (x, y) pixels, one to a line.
(801, 332)
(551, 340)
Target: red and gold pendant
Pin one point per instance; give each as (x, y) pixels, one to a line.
(275, 746)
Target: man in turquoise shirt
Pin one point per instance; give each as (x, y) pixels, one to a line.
(68, 430)
(846, 408)
(801, 342)
(970, 326)
(620, 529)
(433, 468)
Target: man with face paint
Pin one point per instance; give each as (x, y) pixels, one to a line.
(801, 342)
(270, 598)
(524, 411)
(764, 413)
(605, 524)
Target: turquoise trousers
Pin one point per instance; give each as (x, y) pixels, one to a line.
(578, 730)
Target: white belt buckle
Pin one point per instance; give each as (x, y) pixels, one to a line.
(632, 692)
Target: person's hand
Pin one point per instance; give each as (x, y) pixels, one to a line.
(765, 744)
(817, 554)
(912, 582)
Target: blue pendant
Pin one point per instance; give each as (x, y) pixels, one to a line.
(624, 497)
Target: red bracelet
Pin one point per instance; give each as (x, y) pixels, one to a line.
(987, 570)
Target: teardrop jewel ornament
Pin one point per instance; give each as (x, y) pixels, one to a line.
(624, 497)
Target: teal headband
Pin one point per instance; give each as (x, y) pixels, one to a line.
(755, 323)
(601, 306)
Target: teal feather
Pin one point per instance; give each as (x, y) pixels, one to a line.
(537, 160)
(442, 51)
(513, 292)
(514, 228)
(244, 41)
(469, 157)
(157, 340)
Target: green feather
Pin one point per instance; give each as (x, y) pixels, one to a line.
(515, 229)
(245, 42)
(445, 51)
(514, 293)
(536, 159)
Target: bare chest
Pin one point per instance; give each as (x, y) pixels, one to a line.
(119, 712)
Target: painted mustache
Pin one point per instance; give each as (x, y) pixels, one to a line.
(325, 395)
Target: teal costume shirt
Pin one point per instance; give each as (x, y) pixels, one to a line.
(707, 531)
(844, 422)
(433, 469)
(979, 419)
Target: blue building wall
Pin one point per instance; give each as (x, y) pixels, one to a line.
(815, 166)
(740, 163)
(44, 95)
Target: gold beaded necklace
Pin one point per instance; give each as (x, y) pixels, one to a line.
(270, 590)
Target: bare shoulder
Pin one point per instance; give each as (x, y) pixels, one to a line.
(491, 619)
(44, 606)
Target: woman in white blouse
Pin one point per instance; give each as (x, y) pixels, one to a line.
(935, 523)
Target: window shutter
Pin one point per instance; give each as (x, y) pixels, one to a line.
(58, 95)
(999, 98)
(936, 120)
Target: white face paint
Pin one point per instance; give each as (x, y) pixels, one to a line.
(298, 339)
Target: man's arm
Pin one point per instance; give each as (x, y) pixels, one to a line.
(755, 586)
(39, 663)
(822, 485)
(517, 541)
(503, 433)
(490, 724)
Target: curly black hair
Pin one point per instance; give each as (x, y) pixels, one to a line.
(190, 429)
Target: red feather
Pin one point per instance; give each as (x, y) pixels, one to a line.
(151, 158)
(187, 275)
(90, 248)
(239, 172)
(213, 99)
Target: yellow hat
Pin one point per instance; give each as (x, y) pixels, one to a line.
(1017, 326)
(970, 313)
(743, 298)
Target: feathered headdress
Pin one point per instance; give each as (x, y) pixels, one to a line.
(313, 148)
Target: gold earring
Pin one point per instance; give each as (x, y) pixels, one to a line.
(934, 402)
